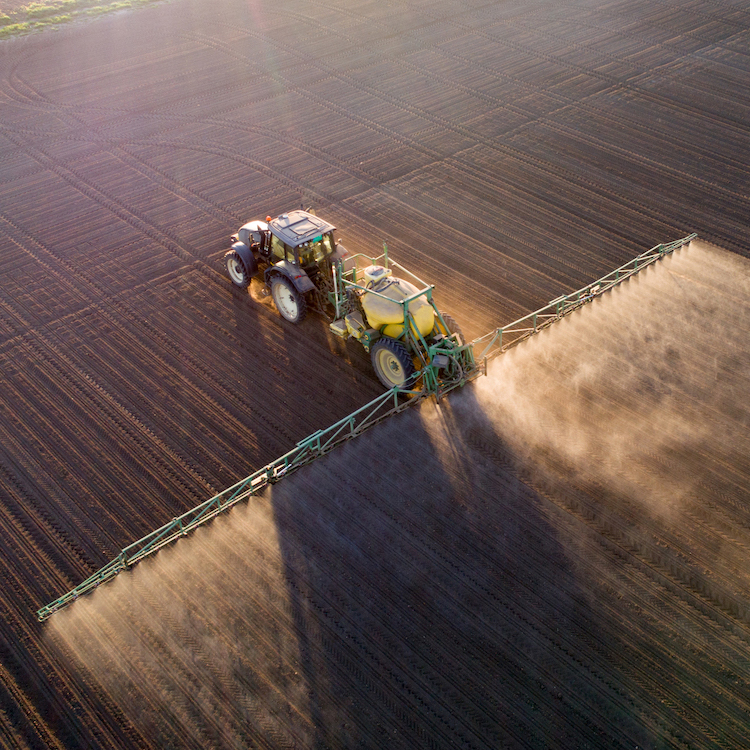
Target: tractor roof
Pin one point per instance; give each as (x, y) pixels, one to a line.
(297, 227)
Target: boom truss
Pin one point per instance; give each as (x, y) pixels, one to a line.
(475, 355)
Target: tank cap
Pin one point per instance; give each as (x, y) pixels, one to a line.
(374, 274)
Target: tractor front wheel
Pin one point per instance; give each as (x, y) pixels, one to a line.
(392, 363)
(289, 302)
(236, 270)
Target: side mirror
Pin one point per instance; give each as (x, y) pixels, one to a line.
(340, 252)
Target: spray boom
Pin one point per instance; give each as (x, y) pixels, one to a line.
(447, 364)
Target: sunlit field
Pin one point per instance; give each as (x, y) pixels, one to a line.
(554, 556)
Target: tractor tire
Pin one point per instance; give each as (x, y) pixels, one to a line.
(289, 302)
(453, 327)
(392, 363)
(237, 270)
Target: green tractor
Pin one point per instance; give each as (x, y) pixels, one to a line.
(413, 346)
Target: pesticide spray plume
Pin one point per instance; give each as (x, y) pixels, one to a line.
(629, 391)
(439, 535)
(170, 641)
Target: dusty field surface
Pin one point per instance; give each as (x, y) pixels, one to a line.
(554, 562)
(556, 558)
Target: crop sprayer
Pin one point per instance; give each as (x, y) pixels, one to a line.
(417, 351)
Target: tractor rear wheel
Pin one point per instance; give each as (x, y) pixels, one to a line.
(453, 327)
(236, 270)
(289, 302)
(392, 363)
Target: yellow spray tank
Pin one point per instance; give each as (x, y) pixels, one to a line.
(384, 310)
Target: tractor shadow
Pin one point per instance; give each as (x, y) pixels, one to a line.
(432, 595)
(268, 335)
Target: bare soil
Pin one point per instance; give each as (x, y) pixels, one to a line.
(507, 153)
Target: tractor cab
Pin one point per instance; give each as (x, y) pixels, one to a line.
(295, 253)
(301, 238)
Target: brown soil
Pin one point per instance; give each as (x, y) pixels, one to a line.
(507, 153)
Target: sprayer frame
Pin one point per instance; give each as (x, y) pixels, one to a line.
(430, 379)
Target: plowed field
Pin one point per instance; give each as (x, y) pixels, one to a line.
(556, 557)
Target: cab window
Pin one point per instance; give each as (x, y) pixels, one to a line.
(316, 250)
(326, 244)
(279, 250)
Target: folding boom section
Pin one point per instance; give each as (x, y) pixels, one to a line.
(307, 450)
(501, 339)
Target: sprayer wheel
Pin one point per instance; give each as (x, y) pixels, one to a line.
(453, 327)
(392, 363)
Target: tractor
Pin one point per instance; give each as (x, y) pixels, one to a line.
(412, 345)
